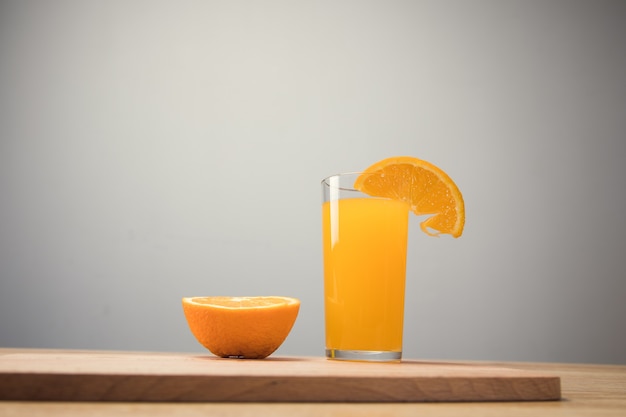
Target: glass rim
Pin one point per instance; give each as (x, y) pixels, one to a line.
(326, 181)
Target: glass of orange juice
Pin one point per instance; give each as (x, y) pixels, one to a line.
(364, 246)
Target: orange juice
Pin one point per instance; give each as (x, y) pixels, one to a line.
(364, 242)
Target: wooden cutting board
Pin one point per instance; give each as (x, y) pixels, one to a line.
(117, 376)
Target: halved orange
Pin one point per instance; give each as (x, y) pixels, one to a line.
(241, 327)
(425, 187)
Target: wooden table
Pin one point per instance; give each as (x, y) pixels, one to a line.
(587, 390)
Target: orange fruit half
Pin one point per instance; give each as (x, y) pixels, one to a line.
(426, 188)
(241, 327)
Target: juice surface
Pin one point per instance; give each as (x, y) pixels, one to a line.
(364, 242)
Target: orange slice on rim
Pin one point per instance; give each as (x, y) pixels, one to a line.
(426, 188)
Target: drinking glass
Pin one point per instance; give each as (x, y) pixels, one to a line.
(364, 247)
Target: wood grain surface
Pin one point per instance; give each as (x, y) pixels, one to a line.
(145, 377)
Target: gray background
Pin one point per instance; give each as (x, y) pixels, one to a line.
(152, 150)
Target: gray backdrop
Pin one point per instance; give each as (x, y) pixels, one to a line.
(152, 150)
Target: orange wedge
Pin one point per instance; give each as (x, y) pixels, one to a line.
(426, 188)
(241, 327)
